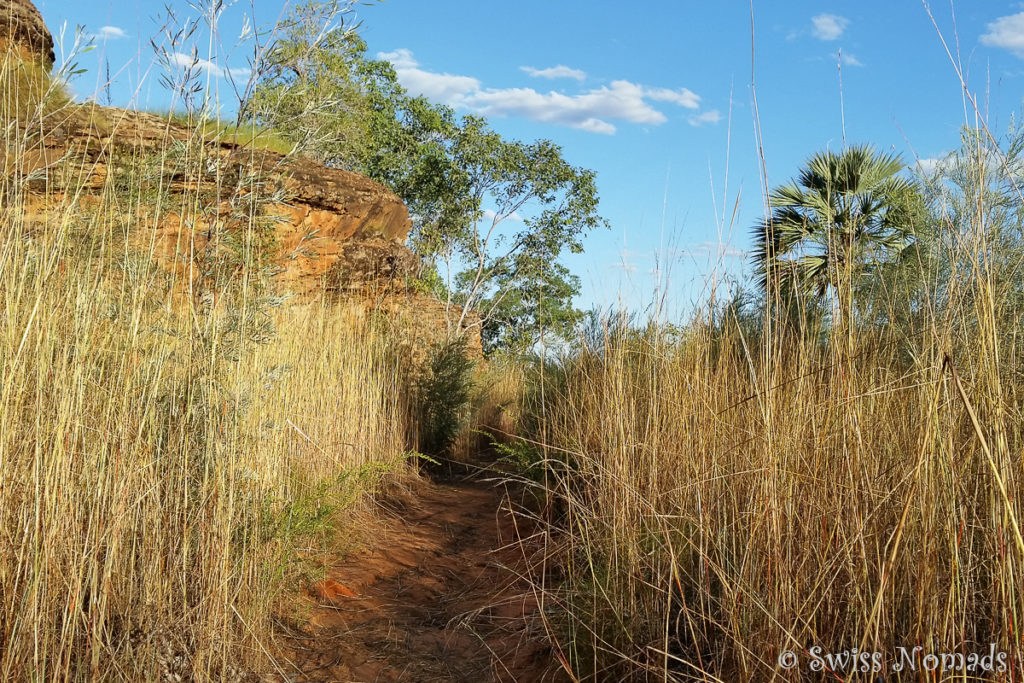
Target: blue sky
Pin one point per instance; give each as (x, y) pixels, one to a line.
(655, 97)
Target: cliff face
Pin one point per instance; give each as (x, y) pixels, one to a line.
(329, 232)
(184, 199)
(317, 213)
(23, 32)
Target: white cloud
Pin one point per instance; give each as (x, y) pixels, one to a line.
(828, 26)
(684, 97)
(1006, 32)
(592, 111)
(928, 166)
(597, 126)
(111, 33)
(727, 251)
(560, 71)
(851, 60)
(588, 111)
(713, 116)
(490, 215)
(445, 88)
(180, 59)
(707, 250)
(400, 59)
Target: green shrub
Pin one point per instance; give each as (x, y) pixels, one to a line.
(443, 396)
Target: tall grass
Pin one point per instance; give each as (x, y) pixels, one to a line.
(729, 493)
(169, 433)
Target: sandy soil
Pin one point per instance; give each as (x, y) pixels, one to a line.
(436, 596)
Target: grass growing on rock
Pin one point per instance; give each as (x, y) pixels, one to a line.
(167, 440)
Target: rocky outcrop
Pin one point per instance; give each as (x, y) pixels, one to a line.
(187, 196)
(345, 204)
(329, 232)
(325, 222)
(23, 32)
(318, 214)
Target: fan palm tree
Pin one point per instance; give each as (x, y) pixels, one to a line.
(845, 216)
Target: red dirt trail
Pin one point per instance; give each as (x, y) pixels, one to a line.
(436, 596)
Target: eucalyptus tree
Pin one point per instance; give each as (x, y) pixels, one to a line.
(491, 216)
(516, 207)
(309, 87)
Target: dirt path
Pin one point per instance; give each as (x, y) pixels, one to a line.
(435, 598)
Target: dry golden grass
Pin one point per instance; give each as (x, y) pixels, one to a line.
(164, 452)
(726, 497)
(170, 450)
(494, 410)
(26, 90)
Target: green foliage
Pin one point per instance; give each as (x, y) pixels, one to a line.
(443, 396)
(420, 457)
(305, 515)
(976, 195)
(497, 214)
(530, 300)
(848, 217)
(523, 456)
(429, 282)
(311, 513)
(465, 186)
(246, 135)
(537, 205)
(308, 90)
(28, 92)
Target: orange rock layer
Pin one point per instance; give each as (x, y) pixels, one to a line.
(327, 231)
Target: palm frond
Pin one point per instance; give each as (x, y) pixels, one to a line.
(851, 207)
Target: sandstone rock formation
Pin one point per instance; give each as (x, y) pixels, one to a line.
(334, 233)
(23, 32)
(320, 215)
(327, 231)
